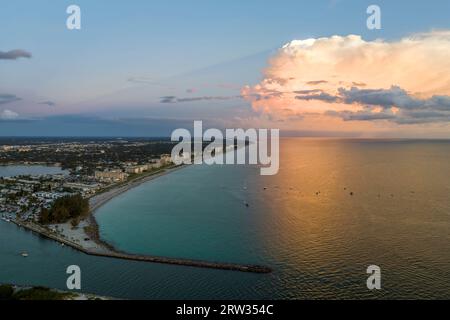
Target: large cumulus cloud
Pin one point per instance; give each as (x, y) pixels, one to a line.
(403, 82)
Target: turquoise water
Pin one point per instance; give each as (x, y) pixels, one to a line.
(203, 211)
(11, 171)
(303, 222)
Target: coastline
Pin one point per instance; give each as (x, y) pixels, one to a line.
(28, 292)
(86, 237)
(105, 252)
(97, 201)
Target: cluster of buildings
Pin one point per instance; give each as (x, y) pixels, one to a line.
(121, 174)
(25, 196)
(15, 148)
(28, 194)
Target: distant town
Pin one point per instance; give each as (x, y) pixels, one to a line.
(90, 172)
(89, 167)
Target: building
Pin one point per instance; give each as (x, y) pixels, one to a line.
(111, 176)
(166, 159)
(136, 169)
(50, 195)
(85, 188)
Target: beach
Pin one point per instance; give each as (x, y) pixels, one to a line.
(100, 199)
(85, 236)
(88, 231)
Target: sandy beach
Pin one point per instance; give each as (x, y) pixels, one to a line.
(86, 238)
(86, 234)
(98, 200)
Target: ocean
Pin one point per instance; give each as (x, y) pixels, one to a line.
(335, 208)
(17, 170)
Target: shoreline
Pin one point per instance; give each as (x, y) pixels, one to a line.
(108, 253)
(97, 201)
(86, 237)
(54, 293)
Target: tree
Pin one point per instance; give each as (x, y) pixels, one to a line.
(64, 209)
(6, 292)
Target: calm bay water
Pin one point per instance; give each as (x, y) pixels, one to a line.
(11, 171)
(304, 223)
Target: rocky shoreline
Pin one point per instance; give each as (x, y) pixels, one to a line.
(86, 237)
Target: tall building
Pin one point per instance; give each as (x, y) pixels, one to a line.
(111, 176)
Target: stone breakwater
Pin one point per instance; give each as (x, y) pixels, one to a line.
(108, 253)
(103, 249)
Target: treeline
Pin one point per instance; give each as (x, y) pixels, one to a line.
(70, 208)
(8, 293)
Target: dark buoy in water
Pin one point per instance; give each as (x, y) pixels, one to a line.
(351, 193)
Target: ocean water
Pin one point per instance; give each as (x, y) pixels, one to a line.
(336, 207)
(11, 171)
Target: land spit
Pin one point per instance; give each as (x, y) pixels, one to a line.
(90, 243)
(108, 253)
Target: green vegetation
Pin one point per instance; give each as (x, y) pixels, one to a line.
(40, 293)
(7, 292)
(72, 208)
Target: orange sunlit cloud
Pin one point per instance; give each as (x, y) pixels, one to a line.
(319, 80)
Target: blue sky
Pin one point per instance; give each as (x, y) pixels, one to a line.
(130, 53)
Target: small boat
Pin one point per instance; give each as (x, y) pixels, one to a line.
(24, 254)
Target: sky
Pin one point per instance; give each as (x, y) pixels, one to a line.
(144, 68)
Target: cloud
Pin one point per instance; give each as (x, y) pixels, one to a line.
(393, 97)
(404, 81)
(8, 115)
(8, 98)
(145, 80)
(406, 117)
(174, 99)
(14, 54)
(48, 103)
(315, 83)
(168, 99)
(384, 98)
(322, 96)
(394, 104)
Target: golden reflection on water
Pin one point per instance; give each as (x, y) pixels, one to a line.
(352, 202)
